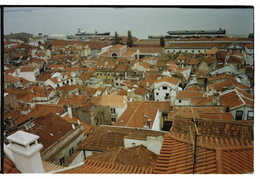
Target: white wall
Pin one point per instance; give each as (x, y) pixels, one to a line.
(154, 144)
(28, 75)
(182, 103)
(157, 123)
(245, 110)
(119, 111)
(158, 88)
(79, 158)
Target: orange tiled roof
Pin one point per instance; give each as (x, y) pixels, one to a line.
(149, 80)
(193, 88)
(134, 115)
(113, 100)
(229, 83)
(9, 167)
(209, 112)
(86, 126)
(97, 167)
(221, 76)
(214, 155)
(11, 78)
(104, 138)
(50, 128)
(189, 94)
(212, 51)
(141, 91)
(168, 79)
(235, 98)
(135, 156)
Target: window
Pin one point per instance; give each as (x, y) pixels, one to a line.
(58, 85)
(62, 160)
(97, 74)
(113, 110)
(179, 100)
(113, 119)
(63, 83)
(133, 144)
(157, 94)
(250, 115)
(71, 151)
(239, 115)
(71, 80)
(164, 88)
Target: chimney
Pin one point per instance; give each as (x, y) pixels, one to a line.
(69, 111)
(122, 122)
(149, 123)
(25, 149)
(215, 99)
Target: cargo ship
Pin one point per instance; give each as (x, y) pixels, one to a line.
(198, 32)
(81, 32)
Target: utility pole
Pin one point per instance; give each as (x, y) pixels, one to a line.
(196, 123)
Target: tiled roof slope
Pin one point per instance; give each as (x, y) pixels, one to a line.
(189, 94)
(134, 115)
(237, 130)
(9, 167)
(227, 84)
(51, 128)
(208, 112)
(213, 156)
(136, 156)
(168, 79)
(104, 138)
(113, 100)
(236, 98)
(98, 167)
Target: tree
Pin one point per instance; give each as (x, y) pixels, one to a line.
(162, 42)
(116, 39)
(129, 41)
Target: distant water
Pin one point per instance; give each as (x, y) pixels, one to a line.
(141, 21)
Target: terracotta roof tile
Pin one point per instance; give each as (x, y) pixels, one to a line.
(134, 115)
(9, 167)
(113, 100)
(222, 76)
(227, 84)
(50, 128)
(168, 79)
(135, 156)
(97, 167)
(205, 112)
(189, 94)
(85, 125)
(193, 88)
(105, 138)
(11, 78)
(212, 51)
(234, 99)
(176, 156)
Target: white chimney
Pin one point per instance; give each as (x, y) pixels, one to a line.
(25, 149)
(69, 111)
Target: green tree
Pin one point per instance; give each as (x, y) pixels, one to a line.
(129, 41)
(116, 39)
(162, 42)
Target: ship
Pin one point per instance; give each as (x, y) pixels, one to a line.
(81, 32)
(198, 32)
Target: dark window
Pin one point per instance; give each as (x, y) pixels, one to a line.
(71, 80)
(179, 101)
(239, 115)
(62, 160)
(63, 83)
(157, 94)
(58, 85)
(113, 119)
(250, 115)
(113, 110)
(164, 88)
(71, 151)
